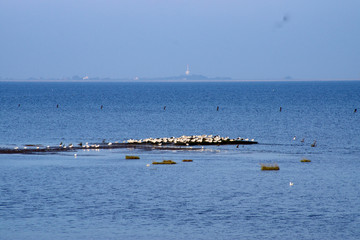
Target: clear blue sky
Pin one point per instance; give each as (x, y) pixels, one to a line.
(243, 39)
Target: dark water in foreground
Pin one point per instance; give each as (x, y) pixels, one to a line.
(221, 195)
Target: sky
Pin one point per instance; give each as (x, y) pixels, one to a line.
(242, 39)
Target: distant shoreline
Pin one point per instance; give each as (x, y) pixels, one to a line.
(175, 80)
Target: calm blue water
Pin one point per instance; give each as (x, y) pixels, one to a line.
(221, 195)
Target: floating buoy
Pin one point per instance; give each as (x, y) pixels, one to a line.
(269, 167)
(165, 162)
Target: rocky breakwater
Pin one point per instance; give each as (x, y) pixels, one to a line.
(167, 143)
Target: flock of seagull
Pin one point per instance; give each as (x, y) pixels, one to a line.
(191, 140)
(183, 140)
(303, 140)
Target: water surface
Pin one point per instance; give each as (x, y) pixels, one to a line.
(221, 195)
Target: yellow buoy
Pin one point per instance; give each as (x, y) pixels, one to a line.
(269, 167)
(187, 160)
(165, 162)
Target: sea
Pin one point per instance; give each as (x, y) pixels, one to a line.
(222, 194)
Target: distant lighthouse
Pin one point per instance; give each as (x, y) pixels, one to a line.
(187, 70)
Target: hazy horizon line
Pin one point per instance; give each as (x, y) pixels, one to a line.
(178, 80)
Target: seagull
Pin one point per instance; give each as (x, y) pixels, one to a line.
(294, 138)
(291, 183)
